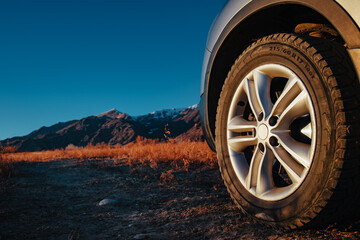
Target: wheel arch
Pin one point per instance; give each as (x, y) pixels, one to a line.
(256, 20)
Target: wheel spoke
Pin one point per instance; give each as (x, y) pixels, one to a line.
(298, 150)
(238, 124)
(251, 95)
(262, 88)
(265, 181)
(252, 176)
(258, 93)
(298, 107)
(291, 90)
(292, 167)
(239, 143)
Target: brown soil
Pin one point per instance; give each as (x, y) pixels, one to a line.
(59, 200)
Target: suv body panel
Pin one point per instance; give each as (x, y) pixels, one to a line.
(353, 9)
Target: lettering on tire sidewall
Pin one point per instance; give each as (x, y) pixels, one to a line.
(293, 55)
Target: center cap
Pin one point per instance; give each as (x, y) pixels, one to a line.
(263, 131)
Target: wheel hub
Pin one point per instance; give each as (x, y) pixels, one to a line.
(263, 132)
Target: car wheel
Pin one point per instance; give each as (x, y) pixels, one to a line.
(287, 131)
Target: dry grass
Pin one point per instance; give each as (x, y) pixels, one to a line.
(181, 155)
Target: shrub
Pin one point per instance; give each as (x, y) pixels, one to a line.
(8, 149)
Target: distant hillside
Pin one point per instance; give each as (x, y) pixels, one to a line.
(113, 127)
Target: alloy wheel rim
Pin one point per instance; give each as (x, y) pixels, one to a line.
(271, 132)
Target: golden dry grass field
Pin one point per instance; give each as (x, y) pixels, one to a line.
(143, 151)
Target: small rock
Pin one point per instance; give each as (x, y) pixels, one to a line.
(107, 201)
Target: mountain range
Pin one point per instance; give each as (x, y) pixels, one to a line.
(113, 127)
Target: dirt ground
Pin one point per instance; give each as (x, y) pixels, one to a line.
(60, 200)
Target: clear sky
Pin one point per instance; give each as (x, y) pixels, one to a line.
(67, 59)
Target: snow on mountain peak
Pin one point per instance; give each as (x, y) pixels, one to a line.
(159, 114)
(167, 113)
(194, 106)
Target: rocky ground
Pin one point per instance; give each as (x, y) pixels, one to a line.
(76, 199)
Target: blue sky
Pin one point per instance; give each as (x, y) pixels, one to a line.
(62, 60)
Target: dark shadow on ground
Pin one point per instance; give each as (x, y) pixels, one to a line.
(59, 200)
